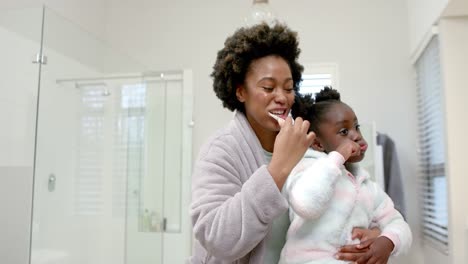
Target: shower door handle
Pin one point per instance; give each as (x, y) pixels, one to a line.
(51, 183)
(40, 59)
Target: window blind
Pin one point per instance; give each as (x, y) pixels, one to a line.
(432, 147)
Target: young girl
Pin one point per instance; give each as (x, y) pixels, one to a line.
(329, 193)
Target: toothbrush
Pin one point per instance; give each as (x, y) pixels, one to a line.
(281, 120)
(277, 118)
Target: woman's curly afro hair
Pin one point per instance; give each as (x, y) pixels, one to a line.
(246, 45)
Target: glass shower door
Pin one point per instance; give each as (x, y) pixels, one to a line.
(113, 156)
(144, 230)
(160, 218)
(85, 135)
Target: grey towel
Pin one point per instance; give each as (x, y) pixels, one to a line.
(392, 173)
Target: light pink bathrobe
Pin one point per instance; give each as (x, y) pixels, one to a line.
(234, 197)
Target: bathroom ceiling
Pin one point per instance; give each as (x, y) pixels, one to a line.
(456, 8)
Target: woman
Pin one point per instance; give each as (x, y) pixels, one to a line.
(237, 210)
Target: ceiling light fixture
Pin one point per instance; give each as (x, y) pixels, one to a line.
(260, 12)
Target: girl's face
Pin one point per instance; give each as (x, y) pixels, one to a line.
(338, 125)
(267, 88)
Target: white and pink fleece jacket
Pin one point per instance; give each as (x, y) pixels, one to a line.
(327, 201)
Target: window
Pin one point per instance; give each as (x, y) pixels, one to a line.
(128, 147)
(432, 147)
(110, 148)
(317, 76)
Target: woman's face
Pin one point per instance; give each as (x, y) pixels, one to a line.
(268, 88)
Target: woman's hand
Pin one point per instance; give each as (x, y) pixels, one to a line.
(290, 145)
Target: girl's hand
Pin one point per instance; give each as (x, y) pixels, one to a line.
(290, 145)
(353, 252)
(365, 234)
(378, 252)
(349, 149)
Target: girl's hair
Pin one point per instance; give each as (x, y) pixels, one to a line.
(314, 110)
(246, 45)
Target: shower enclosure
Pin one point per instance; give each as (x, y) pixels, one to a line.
(112, 148)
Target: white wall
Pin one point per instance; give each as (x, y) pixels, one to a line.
(89, 14)
(423, 14)
(454, 61)
(368, 39)
(18, 93)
